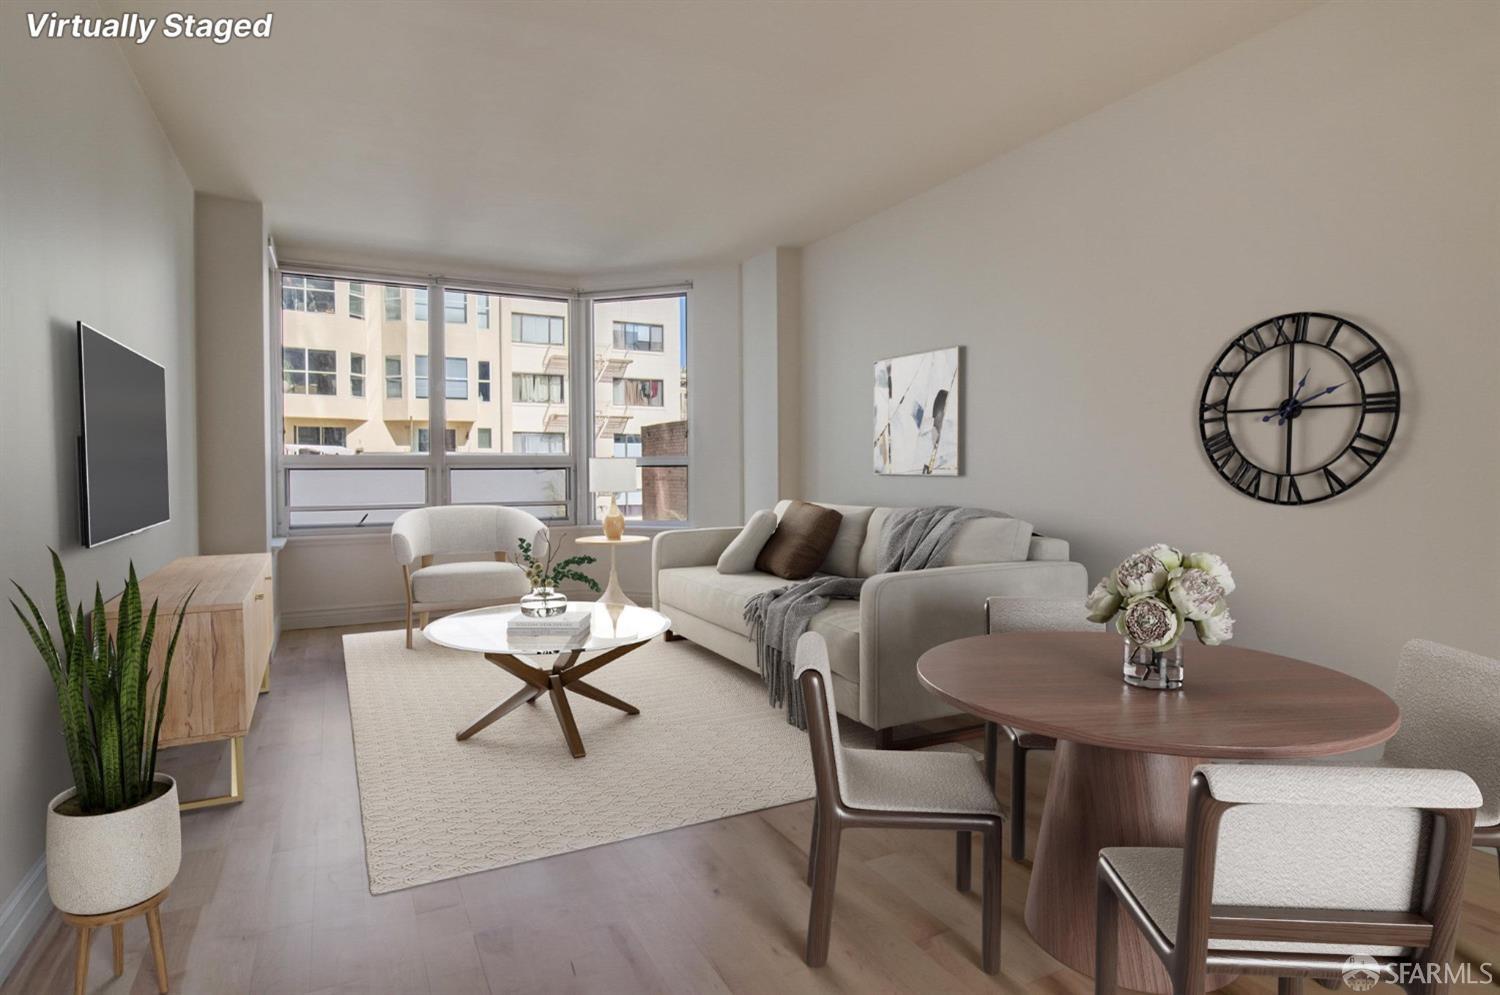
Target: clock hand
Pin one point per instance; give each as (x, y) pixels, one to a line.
(1325, 390)
(1291, 406)
(1300, 384)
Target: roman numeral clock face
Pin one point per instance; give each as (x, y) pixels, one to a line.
(1299, 408)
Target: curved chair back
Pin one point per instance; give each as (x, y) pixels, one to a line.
(1010, 614)
(812, 657)
(455, 530)
(1450, 716)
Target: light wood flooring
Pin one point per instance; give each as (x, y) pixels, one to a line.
(273, 898)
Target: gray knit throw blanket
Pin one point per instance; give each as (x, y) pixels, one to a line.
(914, 539)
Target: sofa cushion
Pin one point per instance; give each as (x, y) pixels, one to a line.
(739, 556)
(979, 540)
(720, 599)
(468, 582)
(801, 541)
(843, 557)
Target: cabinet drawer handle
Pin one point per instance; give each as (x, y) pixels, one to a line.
(260, 597)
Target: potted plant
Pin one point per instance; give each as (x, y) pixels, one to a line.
(546, 577)
(113, 839)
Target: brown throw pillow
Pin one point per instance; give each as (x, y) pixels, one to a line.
(801, 542)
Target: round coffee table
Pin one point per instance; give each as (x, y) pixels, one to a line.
(1125, 755)
(549, 666)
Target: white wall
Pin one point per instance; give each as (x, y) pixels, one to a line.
(96, 224)
(1343, 161)
(770, 314)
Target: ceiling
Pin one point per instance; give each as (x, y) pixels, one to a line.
(604, 137)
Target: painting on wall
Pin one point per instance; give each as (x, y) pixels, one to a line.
(917, 414)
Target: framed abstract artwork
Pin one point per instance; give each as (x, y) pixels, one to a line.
(917, 414)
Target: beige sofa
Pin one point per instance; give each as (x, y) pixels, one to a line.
(873, 643)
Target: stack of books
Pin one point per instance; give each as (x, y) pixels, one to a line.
(571, 628)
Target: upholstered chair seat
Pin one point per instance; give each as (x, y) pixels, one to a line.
(915, 781)
(468, 581)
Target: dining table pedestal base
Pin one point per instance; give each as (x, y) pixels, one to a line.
(1098, 798)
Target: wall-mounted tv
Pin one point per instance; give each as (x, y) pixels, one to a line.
(122, 451)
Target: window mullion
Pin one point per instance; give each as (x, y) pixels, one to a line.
(437, 400)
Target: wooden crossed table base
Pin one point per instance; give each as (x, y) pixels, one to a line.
(563, 677)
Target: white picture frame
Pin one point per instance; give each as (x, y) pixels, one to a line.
(918, 414)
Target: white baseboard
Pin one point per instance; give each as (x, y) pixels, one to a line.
(22, 915)
(324, 618)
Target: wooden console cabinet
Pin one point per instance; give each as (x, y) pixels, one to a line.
(223, 656)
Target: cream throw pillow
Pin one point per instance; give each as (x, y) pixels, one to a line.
(739, 556)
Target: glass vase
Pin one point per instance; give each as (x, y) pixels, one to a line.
(1154, 669)
(543, 602)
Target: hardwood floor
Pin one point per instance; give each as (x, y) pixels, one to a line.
(272, 896)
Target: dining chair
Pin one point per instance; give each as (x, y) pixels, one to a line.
(1450, 718)
(885, 789)
(420, 535)
(1011, 614)
(1300, 872)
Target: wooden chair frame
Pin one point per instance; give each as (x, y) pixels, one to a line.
(1431, 932)
(831, 817)
(424, 610)
(1021, 745)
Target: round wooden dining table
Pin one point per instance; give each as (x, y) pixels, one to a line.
(1125, 755)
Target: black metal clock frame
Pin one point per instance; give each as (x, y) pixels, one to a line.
(1265, 339)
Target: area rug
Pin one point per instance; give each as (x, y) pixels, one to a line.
(706, 745)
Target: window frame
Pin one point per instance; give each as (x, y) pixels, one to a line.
(438, 464)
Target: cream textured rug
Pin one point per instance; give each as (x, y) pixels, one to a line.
(706, 745)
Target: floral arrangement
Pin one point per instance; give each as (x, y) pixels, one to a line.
(1155, 593)
(544, 573)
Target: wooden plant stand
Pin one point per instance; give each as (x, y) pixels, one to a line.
(150, 908)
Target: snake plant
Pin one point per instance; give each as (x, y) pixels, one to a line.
(108, 720)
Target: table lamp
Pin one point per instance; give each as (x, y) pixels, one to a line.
(611, 476)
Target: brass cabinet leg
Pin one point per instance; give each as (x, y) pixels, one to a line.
(507, 706)
(564, 713)
(604, 697)
(117, 934)
(158, 951)
(236, 781)
(81, 965)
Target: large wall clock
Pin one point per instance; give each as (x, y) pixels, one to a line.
(1299, 408)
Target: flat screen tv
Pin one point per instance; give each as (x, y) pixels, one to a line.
(122, 451)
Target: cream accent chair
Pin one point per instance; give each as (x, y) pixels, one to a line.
(1290, 870)
(1450, 717)
(885, 789)
(421, 535)
(1007, 614)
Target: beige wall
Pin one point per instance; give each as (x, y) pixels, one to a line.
(96, 223)
(1343, 161)
(770, 361)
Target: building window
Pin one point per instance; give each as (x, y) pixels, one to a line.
(309, 371)
(356, 300)
(485, 439)
(642, 338)
(455, 306)
(484, 379)
(536, 329)
(424, 440)
(306, 293)
(324, 435)
(419, 304)
(627, 446)
(549, 443)
(393, 376)
(455, 381)
(637, 393)
(536, 388)
(356, 374)
(392, 303)
(482, 311)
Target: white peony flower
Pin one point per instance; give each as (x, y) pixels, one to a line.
(1103, 601)
(1140, 573)
(1212, 565)
(1195, 594)
(1215, 629)
(1151, 622)
(1168, 556)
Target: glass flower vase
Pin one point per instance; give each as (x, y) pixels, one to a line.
(543, 602)
(1148, 668)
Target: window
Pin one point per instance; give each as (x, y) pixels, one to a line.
(540, 442)
(627, 446)
(393, 376)
(309, 371)
(455, 307)
(321, 435)
(356, 300)
(455, 381)
(482, 311)
(633, 392)
(634, 335)
(306, 293)
(485, 439)
(484, 379)
(424, 440)
(536, 329)
(356, 375)
(392, 303)
(537, 388)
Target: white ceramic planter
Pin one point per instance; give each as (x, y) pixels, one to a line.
(102, 863)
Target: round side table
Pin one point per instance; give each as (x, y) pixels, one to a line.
(613, 595)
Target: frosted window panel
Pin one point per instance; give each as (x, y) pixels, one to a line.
(361, 488)
(508, 486)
